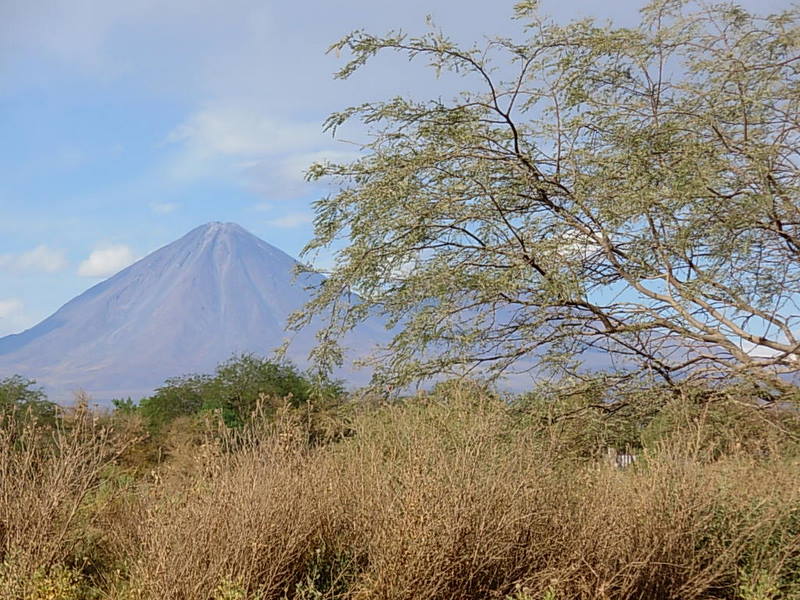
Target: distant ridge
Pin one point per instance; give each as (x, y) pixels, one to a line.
(216, 291)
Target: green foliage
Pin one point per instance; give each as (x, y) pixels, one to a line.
(239, 382)
(626, 190)
(179, 396)
(758, 586)
(56, 583)
(234, 391)
(521, 593)
(328, 575)
(19, 394)
(124, 406)
(229, 589)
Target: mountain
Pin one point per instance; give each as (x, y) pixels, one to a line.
(217, 291)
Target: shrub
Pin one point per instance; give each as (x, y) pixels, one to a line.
(452, 494)
(234, 390)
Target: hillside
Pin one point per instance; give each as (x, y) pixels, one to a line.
(184, 308)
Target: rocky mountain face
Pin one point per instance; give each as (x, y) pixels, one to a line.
(217, 291)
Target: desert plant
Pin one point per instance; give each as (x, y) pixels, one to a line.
(629, 189)
(48, 476)
(452, 494)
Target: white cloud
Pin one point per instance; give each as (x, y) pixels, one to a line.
(12, 316)
(41, 258)
(110, 39)
(291, 220)
(285, 176)
(106, 261)
(268, 154)
(163, 208)
(240, 132)
(263, 207)
(9, 307)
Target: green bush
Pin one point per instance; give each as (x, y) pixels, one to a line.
(19, 394)
(235, 390)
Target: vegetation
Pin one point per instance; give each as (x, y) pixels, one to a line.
(19, 395)
(234, 390)
(632, 191)
(454, 494)
(627, 190)
(242, 388)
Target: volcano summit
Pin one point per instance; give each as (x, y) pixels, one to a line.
(186, 307)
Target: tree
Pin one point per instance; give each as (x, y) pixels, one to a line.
(21, 396)
(179, 396)
(240, 381)
(627, 190)
(234, 389)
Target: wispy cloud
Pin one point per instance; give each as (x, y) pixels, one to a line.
(41, 258)
(106, 261)
(12, 316)
(268, 154)
(163, 208)
(291, 220)
(10, 306)
(231, 131)
(285, 176)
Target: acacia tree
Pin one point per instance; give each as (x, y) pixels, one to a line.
(630, 190)
(20, 395)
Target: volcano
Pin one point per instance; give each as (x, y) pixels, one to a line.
(216, 292)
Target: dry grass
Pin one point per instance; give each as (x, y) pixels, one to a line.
(428, 500)
(250, 518)
(50, 478)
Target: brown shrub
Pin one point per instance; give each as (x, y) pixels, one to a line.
(247, 520)
(444, 497)
(48, 478)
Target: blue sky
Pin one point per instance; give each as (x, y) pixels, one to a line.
(129, 122)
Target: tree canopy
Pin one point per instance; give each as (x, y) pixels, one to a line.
(628, 190)
(20, 395)
(234, 389)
